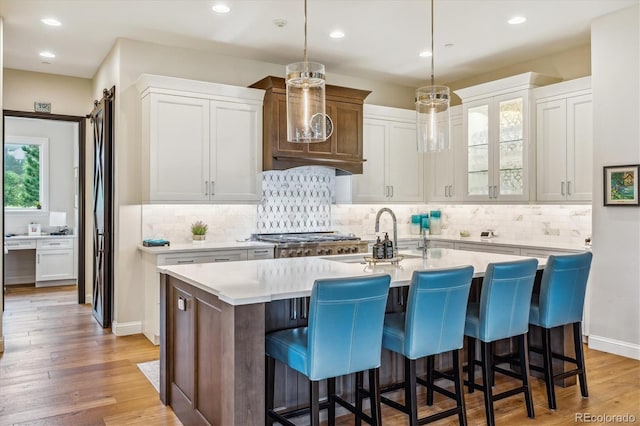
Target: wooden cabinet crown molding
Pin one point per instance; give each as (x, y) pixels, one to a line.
(343, 150)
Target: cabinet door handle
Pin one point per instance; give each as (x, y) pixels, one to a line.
(450, 190)
(495, 192)
(221, 259)
(391, 191)
(38, 258)
(562, 188)
(213, 192)
(206, 187)
(180, 262)
(490, 196)
(386, 190)
(293, 311)
(260, 251)
(568, 187)
(54, 244)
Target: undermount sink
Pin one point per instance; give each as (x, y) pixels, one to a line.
(359, 258)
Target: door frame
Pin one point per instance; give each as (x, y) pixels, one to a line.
(81, 120)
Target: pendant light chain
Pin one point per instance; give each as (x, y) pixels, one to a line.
(305, 32)
(433, 53)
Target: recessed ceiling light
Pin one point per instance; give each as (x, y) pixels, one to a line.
(425, 54)
(47, 54)
(449, 45)
(221, 8)
(51, 21)
(336, 34)
(517, 20)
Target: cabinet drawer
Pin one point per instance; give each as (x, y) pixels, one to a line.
(20, 245)
(202, 257)
(55, 244)
(408, 245)
(441, 244)
(488, 248)
(542, 252)
(261, 253)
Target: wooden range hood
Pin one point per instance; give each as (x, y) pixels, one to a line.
(343, 150)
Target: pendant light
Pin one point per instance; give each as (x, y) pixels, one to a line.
(306, 119)
(432, 111)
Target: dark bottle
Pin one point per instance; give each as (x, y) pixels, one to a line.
(378, 249)
(388, 247)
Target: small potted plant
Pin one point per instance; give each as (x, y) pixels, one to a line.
(199, 230)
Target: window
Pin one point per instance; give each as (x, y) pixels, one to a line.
(26, 173)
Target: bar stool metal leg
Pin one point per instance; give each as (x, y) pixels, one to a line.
(359, 386)
(485, 355)
(331, 391)
(374, 396)
(430, 368)
(577, 341)
(314, 392)
(471, 363)
(458, 383)
(524, 370)
(547, 360)
(270, 365)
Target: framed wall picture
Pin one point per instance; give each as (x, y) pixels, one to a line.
(34, 229)
(621, 185)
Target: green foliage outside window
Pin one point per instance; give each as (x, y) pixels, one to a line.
(21, 176)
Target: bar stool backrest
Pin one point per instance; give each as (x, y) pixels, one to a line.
(436, 310)
(346, 316)
(505, 299)
(564, 283)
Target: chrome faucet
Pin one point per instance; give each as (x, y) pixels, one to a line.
(395, 227)
(424, 242)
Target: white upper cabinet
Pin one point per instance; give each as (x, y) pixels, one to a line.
(565, 141)
(446, 170)
(497, 138)
(202, 142)
(393, 170)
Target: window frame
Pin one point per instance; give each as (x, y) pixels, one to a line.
(44, 171)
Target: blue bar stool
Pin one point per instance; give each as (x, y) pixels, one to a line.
(433, 324)
(503, 312)
(344, 336)
(560, 302)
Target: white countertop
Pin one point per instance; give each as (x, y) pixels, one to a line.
(259, 281)
(205, 246)
(505, 242)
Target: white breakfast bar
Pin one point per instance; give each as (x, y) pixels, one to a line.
(214, 317)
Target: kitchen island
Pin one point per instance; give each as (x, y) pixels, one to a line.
(214, 318)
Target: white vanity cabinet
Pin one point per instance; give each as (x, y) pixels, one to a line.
(497, 138)
(55, 261)
(565, 141)
(394, 170)
(446, 171)
(201, 142)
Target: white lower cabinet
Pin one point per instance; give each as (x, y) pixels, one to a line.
(54, 261)
(151, 325)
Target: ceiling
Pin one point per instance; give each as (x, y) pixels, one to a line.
(383, 37)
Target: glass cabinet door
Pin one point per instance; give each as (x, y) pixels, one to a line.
(478, 150)
(510, 147)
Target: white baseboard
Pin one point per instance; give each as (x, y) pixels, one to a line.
(617, 347)
(126, 328)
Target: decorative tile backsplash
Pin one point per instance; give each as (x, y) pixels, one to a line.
(569, 224)
(296, 200)
(300, 200)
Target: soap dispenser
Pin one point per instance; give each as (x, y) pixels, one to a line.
(388, 246)
(378, 249)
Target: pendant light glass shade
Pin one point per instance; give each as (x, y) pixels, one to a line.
(432, 111)
(306, 118)
(306, 122)
(433, 121)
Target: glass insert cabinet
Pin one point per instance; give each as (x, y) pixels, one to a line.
(497, 138)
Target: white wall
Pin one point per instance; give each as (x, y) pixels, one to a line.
(63, 138)
(615, 273)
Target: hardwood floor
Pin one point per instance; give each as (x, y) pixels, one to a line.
(61, 368)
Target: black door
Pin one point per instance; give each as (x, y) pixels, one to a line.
(102, 122)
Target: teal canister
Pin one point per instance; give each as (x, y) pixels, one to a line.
(435, 224)
(415, 224)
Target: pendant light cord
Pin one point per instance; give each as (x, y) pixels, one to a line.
(305, 31)
(433, 53)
